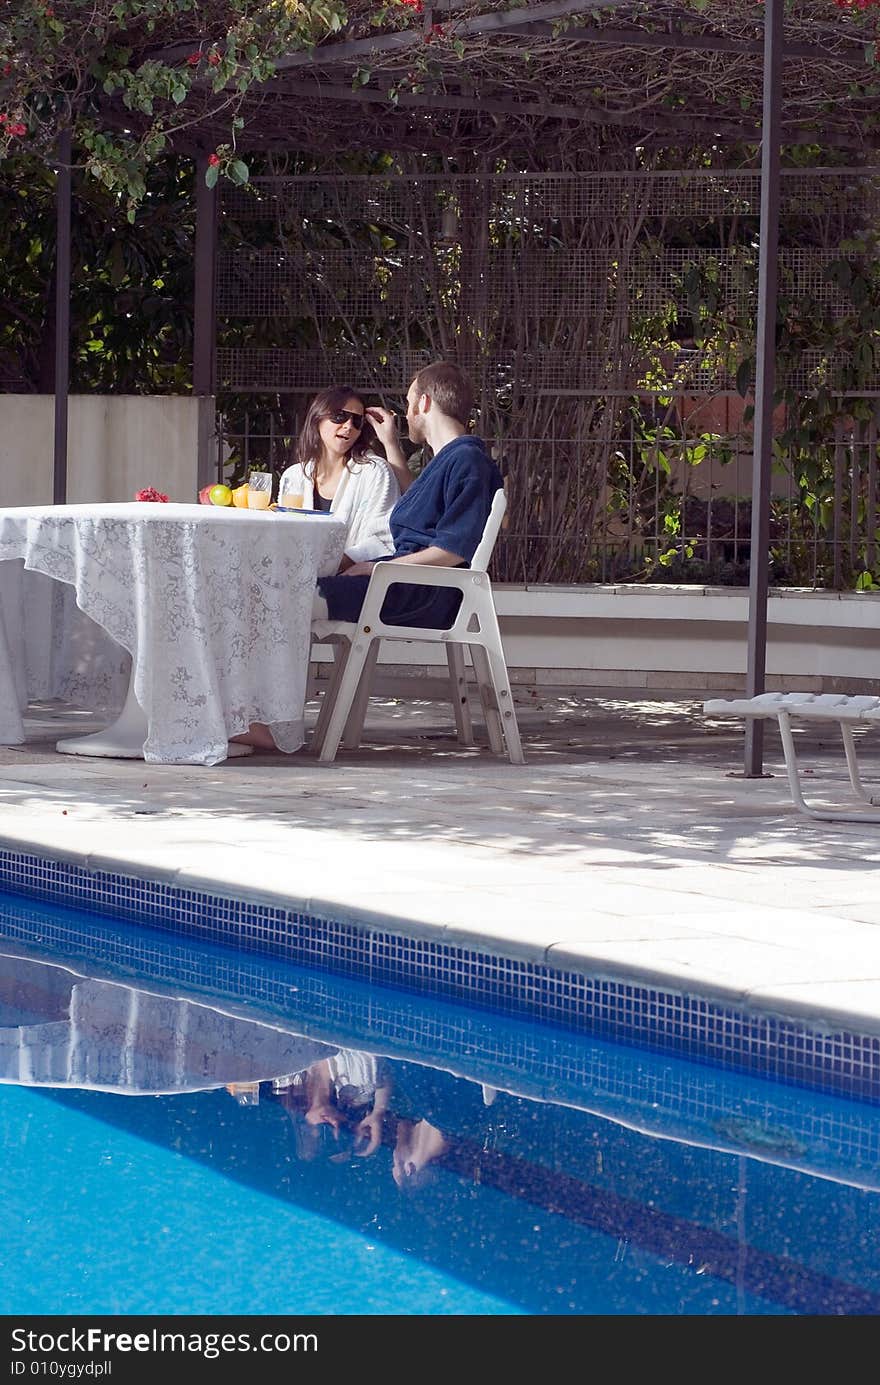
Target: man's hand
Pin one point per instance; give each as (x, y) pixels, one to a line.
(384, 425)
(358, 570)
(368, 1134)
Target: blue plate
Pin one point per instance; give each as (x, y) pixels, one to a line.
(292, 510)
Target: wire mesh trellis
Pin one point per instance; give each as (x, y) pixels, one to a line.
(578, 302)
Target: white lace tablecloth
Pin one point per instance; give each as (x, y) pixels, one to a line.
(213, 605)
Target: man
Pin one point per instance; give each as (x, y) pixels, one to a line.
(440, 519)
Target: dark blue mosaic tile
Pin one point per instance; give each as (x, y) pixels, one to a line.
(623, 1011)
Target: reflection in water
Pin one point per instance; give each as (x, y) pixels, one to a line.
(768, 1192)
(61, 1029)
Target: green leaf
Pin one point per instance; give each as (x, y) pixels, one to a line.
(239, 171)
(212, 173)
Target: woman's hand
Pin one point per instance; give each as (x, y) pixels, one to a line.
(357, 569)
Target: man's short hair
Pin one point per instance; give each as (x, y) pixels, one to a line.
(449, 388)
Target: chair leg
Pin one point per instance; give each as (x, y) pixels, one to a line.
(505, 704)
(489, 701)
(852, 765)
(344, 697)
(355, 725)
(340, 655)
(794, 782)
(312, 690)
(494, 681)
(458, 693)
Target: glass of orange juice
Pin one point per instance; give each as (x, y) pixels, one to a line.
(293, 501)
(259, 490)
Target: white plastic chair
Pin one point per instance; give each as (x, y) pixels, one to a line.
(848, 711)
(356, 648)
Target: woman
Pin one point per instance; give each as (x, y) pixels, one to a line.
(335, 470)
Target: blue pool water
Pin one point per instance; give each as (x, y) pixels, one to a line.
(516, 1169)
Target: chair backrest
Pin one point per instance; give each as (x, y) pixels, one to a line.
(480, 560)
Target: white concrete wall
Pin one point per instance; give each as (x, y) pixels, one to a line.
(664, 638)
(689, 637)
(117, 444)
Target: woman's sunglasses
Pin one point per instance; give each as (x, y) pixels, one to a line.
(340, 416)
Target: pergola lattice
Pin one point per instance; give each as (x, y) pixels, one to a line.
(547, 79)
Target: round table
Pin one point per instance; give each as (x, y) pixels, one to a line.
(213, 604)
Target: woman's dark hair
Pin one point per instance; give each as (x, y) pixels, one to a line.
(324, 405)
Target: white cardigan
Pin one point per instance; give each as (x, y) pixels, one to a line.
(365, 497)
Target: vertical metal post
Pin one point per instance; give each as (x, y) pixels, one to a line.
(771, 130)
(63, 200)
(204, 326)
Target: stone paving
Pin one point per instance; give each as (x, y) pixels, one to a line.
(629, 843)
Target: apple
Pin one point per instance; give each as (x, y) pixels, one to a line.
(205, 495)
(220, 495)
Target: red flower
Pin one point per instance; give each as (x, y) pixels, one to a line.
(213, 59)
(150, 493)
(416, 5)
(17, 129)
(194, 59)
(213, 160)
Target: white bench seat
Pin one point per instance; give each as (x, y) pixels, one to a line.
(847, 711)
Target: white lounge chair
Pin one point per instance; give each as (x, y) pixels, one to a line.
(859, 710)
(356, 648)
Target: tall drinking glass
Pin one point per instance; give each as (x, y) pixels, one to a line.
(259, 490)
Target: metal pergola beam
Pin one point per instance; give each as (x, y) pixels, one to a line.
(441, 101)
(496, 22)
(704, 43)
(63, 205)
(765, 378)
(651, 122)
(353, 49)
(204, 316)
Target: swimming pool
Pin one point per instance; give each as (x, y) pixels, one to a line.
(520, 1168)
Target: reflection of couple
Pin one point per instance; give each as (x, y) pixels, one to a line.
(346, 1104)
(438, 521)
(341, 1099)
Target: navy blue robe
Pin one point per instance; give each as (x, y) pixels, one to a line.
(446, 506)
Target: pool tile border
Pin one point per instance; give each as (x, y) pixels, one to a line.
(626, 1010)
